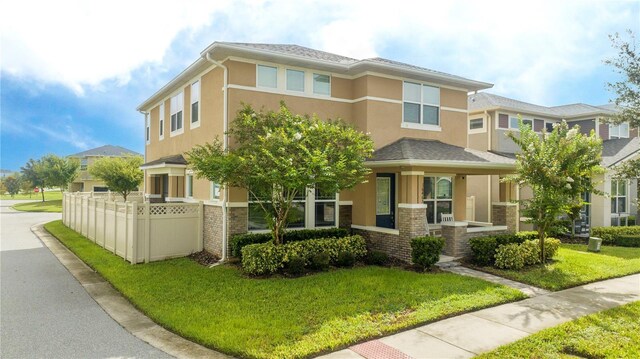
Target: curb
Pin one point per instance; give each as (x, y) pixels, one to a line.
(119, 308)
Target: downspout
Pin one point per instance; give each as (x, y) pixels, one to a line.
(144, 183)
(489, 186)
(225, 199)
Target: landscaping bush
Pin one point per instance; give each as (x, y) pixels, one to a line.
(238, 241)
(628, 241)
(376, 258)
(295, 266)
(483, 250)
(267, 258)
(320, 261)
(609, 235)
(551, 246)
(510, 256)
(530, 251)
(425, 251)
(345, 259)
(527, 235)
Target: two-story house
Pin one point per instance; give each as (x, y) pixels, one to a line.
(84, 181)
(492, 116)
(415, 116)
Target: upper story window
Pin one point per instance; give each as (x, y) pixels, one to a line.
(267, 76)
(295, 80)
(619, 196)
(161, 121)
(83, 164)
(549, 126)
(619, 131)
(177, 107)
(147, 130)
(321, 84)
(195, 104)
(421, 104)
(190, 185)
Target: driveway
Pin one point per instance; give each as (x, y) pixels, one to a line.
(45, 312)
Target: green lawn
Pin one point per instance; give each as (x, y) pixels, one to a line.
(48, 196)
(614, 333)
(573, 266)
(39, 206)
(281, 317)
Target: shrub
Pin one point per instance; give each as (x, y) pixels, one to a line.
(238, 241)
(530, 250)
(483, 250)
(345, 259)
(610, 234)
(376, 258)
(551, 246)
(425, 251)
(295, 266)
(320, 261)
(527, 235)
(267, 258)
(510, 256)
(628, 241)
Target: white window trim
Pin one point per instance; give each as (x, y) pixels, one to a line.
(421, 126)
(548, 122)
(278, 82)
(305, 88)
(483, 129)
(180, 130)
(620, 135)
(313, 83)
(189, 187)
(161, 129)
(212, 197)
(627, 186)
(196, 124)
(436, 200)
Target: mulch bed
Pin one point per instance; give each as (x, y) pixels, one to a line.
(204, 258)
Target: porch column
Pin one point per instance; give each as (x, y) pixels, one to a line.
(505, 214)
(460, 198)
(412, 213)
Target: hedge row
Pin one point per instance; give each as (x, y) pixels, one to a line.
(267, 258)
(516, 256)
(483, 249)
(238, 241)
(611, 235)
(627, 241)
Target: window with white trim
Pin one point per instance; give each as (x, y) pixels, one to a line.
(190, 186)
(267, 76)
(549, 126)
(147, 129)
(215, 191)
(438, 196)
(514, 122)
(421, 104)
(619, 131)
(325, 208)
(295, 80)
(322, 84)
(476, 124)
(297, 212)
(177, 108)
(619, 196)
(83, 164)
(195, 104)
(161, 121)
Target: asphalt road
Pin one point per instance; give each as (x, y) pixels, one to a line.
(44, 311)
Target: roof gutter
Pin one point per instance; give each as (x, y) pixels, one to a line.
(225, 110)
(430, 163)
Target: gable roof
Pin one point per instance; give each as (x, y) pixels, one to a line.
(107, 151)
(432, 152)
(485, 101)
(616, 150)
(168, 161)
(296, 55)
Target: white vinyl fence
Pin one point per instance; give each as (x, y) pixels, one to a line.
(137, 232)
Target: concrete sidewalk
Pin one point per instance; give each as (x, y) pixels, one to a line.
(470, 334)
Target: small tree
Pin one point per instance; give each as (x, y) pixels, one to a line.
(278, 155)
(26, 187)
(34, 171)
(12, 185)
(60, 171)
(120, 174)
(558, 166)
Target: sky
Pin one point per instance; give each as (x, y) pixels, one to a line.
(72, 72)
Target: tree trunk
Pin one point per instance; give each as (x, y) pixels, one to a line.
(42, 190)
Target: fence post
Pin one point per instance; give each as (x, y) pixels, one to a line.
(134, 231)
(126, 229)
(115, 228)
(81, 214)
(95, 220)
(147, 229)
(104, 223)
(199, 243)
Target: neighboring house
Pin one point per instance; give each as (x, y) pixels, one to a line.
(84, 181)
(492, 116)
(415, 116)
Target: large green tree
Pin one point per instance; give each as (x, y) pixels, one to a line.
(12, 185)
(35, 172)
(120, 174)
(558, 167)
(60, 171)
(276, 155)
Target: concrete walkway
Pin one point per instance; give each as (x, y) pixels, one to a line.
(470, 334)
(527, 289)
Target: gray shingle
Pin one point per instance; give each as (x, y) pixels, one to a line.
(107, 150)
(168, 160)
(409, 66)
(484, 100)
(616, 150)
(296, 50)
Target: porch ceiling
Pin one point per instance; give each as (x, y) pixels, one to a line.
(171, 165)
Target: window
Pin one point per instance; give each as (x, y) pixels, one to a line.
(325, 205)
(295, 80)
(421, 104)
(297, 213)
(177, 106)
(83, 164)
(438, 196)
(476, 124)
(100, 189)
(215, 191)
(195, 104)
(321, 84)
(549, 126)
(618, 196)
(189, 186)
(161, 121)
(514, 123)
(267, 76)
(619, 131)
(147, 131)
